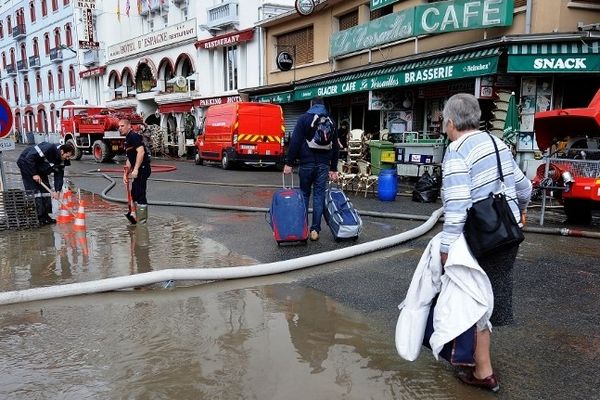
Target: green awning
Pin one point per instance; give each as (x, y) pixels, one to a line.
(457, 66)
(554, 57)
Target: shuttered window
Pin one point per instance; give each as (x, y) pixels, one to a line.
(300, 42)
(520, 3)
(348, 20)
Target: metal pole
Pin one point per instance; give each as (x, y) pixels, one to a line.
(2, 177)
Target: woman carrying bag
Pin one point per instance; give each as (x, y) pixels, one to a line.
(474, 166)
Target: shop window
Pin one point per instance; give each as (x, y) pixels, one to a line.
(300, 43)
(348, 20)
(230, 67)
(380, 12)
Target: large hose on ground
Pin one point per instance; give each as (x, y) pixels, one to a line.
(210, 274)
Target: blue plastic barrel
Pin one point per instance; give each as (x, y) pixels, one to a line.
(387, 186)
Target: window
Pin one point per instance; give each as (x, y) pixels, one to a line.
(23, 53)
(230, 67)
(16, 91)
(520, 3)
(380, 12)
(1, 30)
(60, 79)
(32, 11)
(348, 20)
(299, 42)
(38, 83)
(36, 47)
(4, 60)
(7, 91)
(57, 38)
(66, 2)
(50, 82)
(47, 43)
(71, 77)
(9, 25)
(68, 35)
(12, 57)
(44, 8)
(54, 5)
(26, 88)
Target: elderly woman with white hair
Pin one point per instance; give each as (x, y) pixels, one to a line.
(470, 173)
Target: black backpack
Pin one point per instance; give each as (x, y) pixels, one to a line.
(322, 129)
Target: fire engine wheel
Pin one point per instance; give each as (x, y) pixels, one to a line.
(101, 151)
(225, 163)
(578, 212)
(197, 159)
(78, 152)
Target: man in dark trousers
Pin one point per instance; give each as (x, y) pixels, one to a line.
(36, 164)
(138, 166)
(314, 143)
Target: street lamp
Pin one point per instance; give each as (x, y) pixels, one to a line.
(65, 47)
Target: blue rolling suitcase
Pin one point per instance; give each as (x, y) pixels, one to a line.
(341, 216)
(287, 215)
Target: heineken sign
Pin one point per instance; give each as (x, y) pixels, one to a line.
(554, 63)
(463, 69)
(375, 4)
(425, 19)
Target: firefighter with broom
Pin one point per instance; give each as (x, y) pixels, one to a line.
(36, 163)
(137, 170)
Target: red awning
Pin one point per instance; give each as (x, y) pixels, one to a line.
(557, 124)
(175, 107)
(93, 72)
(228, 39)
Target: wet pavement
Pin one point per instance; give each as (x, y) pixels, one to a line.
(321, 333)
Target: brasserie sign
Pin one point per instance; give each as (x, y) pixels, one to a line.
(425, 19)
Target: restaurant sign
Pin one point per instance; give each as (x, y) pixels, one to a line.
(425, 19)
(458, 70)
(92, 72)
(230, 39)
(171, 35)
(555, 63)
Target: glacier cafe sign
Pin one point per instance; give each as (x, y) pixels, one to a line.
(424, 19)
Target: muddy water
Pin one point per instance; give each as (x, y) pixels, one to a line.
(214, 341)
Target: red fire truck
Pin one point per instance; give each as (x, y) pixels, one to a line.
(573, 163)
(94, 130)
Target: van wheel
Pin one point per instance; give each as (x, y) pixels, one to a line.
(197, 159)
(78, 152)
(225, 163)
(100, 151)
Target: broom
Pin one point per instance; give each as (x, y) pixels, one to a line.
(129, 214)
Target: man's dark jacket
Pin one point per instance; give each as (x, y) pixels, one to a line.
(31, 163)
(299, 149)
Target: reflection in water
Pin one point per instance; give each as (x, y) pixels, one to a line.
(207, 342)
(108, 247)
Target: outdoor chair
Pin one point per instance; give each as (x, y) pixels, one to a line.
(345, 176)
(366, 180)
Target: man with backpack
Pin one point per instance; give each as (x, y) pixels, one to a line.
(314, 146)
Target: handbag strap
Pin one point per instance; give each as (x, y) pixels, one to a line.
(498, 160)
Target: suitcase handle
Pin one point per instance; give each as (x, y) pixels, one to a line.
(283, 181)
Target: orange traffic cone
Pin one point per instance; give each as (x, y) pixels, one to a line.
(80, 218)
(64, 215)
(68, 199)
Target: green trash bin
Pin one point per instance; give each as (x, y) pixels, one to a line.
(383, 155)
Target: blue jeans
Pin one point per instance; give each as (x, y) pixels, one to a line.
(314, 177)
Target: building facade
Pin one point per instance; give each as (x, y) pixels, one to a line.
(392, 64)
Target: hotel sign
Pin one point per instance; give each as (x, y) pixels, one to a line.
(171, 35)
(425, 19)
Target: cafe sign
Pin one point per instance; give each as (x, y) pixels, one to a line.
(458, 70)
(171, 35)
(424, 19)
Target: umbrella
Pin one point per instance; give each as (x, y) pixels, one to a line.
(511, 123)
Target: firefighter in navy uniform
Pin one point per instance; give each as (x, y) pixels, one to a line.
(36, 164)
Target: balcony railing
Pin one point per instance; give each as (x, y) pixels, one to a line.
(10, 69)
(18, 32)
(34, 61)
(22, 65)
(223, 14)
(56, 55)
(91, 57)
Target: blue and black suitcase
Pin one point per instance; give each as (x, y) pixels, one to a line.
(287, 215)
(341, 216)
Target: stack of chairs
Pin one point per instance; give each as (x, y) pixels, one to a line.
(355, 144)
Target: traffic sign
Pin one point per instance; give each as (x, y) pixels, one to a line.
(6, 118)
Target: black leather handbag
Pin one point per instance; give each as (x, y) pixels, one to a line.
(490, 226)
